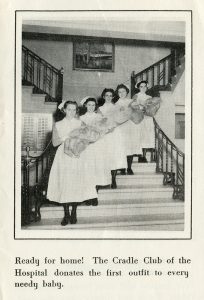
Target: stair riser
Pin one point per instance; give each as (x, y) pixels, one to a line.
(105, 212)
(139, 181)
(137, 195)
(143, 169)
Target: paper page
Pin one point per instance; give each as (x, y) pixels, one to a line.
(144, 238)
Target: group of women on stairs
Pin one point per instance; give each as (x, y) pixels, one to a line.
(75, 180)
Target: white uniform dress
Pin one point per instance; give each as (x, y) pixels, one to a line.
(71, 179)
(131, 132)
(100, 153)
(116, 147)
(147, 124)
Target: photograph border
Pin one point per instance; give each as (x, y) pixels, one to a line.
(191, 133)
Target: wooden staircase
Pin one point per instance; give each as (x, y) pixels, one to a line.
(141, 202)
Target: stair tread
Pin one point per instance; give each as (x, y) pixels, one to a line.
(148, 164)
(127, 201)
(110, 220)
(140, 174)
(139, 188)
(118, 206)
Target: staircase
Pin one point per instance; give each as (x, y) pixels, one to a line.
(141, 202)
(150, 200)
(36, 103)
(41, 76)
(162, 75)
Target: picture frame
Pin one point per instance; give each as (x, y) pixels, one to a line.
(93, 55)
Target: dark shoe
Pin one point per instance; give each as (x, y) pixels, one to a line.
(114, 185)
(130, 172)
(65, 221)
(142, 159)
(122, 172)
(94, 202)
(66, 218)
(102, 187)
(88, 202)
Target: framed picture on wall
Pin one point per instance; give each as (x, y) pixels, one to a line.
(93, 55)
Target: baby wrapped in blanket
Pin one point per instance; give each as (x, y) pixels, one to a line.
(80, 138)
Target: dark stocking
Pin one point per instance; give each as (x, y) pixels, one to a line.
(66, 218)
(113, 174)
(73, 219)
(129, 163)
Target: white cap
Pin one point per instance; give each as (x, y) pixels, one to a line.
(61, 105)
(84, 100)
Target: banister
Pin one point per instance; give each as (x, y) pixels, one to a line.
(41, 59)
(45, 78)
(152, 66)
(174, 146)
(159, 75)
(170, 161)
(39, 166)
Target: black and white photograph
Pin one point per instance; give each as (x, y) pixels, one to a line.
(103, 125)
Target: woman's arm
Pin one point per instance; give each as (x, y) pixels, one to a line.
(56, 140)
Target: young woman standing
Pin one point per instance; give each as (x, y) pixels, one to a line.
(71, 179)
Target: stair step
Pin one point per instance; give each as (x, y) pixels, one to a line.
(117, 210)
(153, 222)
(136, 192)
(139, 178)
(143, 167)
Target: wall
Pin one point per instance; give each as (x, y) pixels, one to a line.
(78, 84)
(172, 102)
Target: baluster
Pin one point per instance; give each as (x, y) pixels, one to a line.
(183, 177)
(167, 156)
(42, 166)
(155, 144)
(147, 76)
(44, 77)
(171, 158)
(38, 74)
(153, 76)
(23, 64)
(32, 70)
(164, 73)
(26, 200)
(169, 71)
(26, 66)
(177, 166)
(158, 74)
(157, 149)
(36, 170)
(162, 153)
